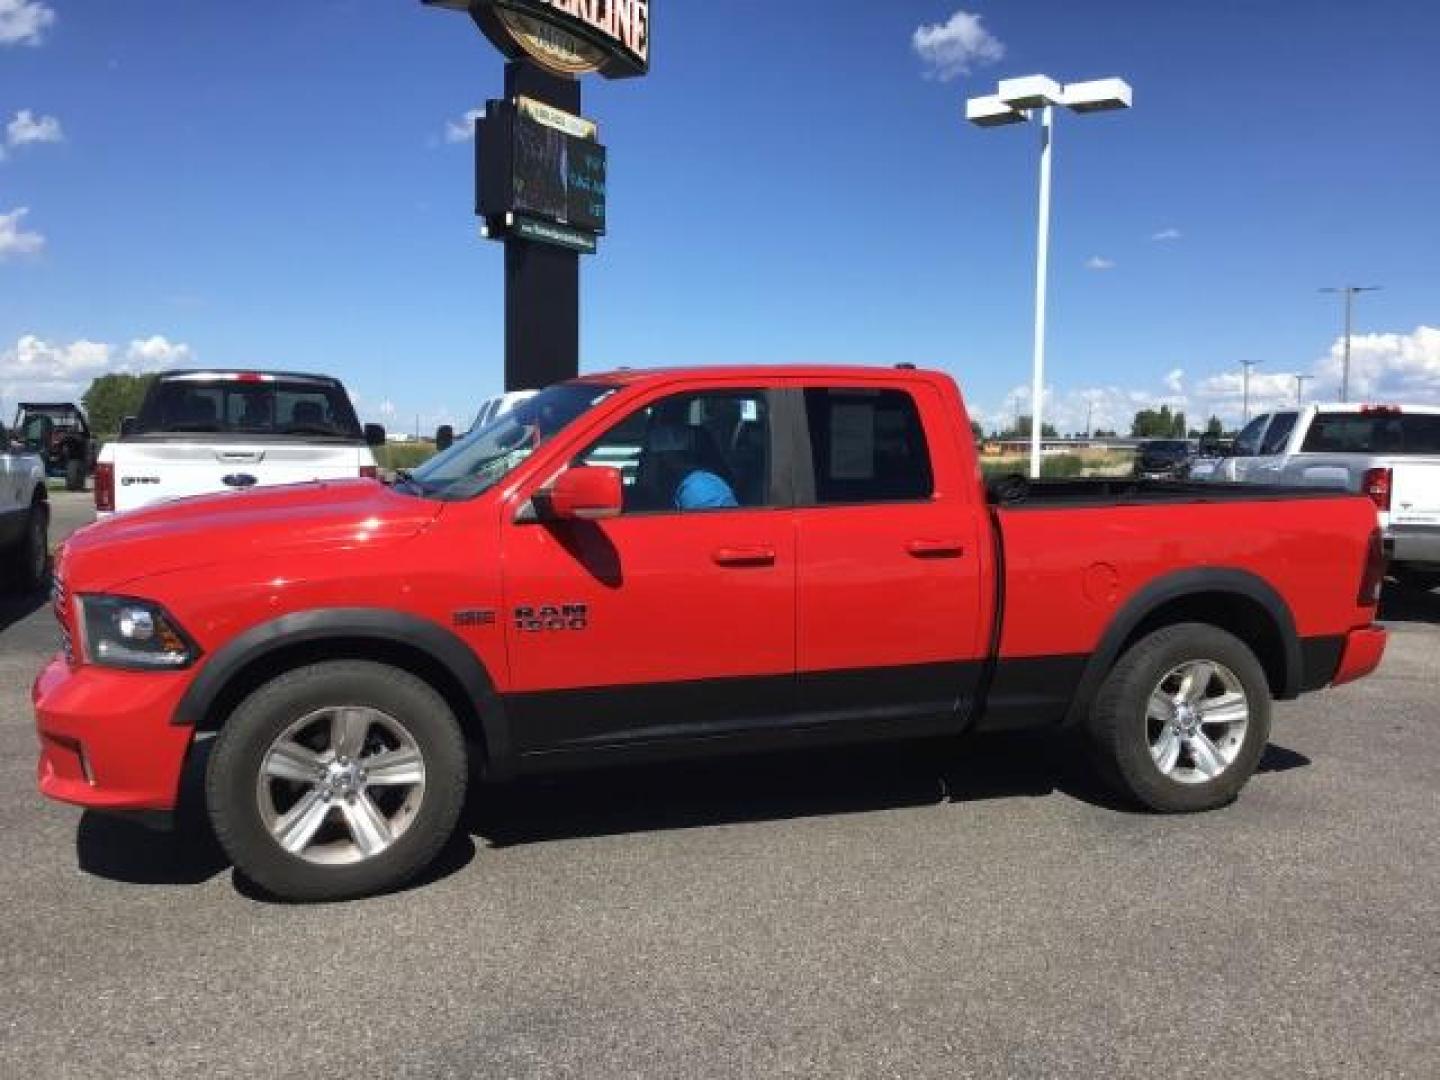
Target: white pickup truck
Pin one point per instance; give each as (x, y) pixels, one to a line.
(24, 516)
(1390, 452)
(201, 432)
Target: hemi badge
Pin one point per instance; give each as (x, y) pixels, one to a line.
(475, 617)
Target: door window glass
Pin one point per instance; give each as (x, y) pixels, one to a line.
(703, 451)
(867, 446)
(1278, 433)
(1247, 443)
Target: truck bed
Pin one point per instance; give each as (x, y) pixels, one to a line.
(1019, 493)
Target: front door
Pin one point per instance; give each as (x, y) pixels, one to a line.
(889, 631)
(675, 620)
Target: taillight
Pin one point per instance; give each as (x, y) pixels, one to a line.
(1373, 578)
(1377, 485)
(370, 472)
(105, 487)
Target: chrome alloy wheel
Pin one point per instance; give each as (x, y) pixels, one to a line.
(1195, 721)
(340, 785)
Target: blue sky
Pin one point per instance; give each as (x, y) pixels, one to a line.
(271, 184)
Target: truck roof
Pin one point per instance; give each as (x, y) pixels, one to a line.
(238, 374)
(632, 376)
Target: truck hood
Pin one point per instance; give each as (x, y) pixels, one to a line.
(212, 529)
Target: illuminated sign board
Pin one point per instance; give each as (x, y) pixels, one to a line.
(542, 165)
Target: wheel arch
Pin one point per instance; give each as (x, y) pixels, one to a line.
(411, 643)
(1237, 601)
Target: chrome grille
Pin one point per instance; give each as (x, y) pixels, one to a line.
(60, 598)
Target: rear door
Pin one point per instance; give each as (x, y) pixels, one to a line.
(888, 632)
(667, 623)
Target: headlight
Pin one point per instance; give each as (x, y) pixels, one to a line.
(124, 633)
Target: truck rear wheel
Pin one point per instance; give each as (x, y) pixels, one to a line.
(1181, 721)
(75, 474)
(337, 780)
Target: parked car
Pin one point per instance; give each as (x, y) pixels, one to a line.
(200, 432)
(1389, 452)
(24, 516)
(1164, 459)
(491, 409)
(60, 434)
(801, 556)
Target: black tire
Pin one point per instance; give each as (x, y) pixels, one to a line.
(1119, 731)
(30, 559)
(75, 474)
(233, 775)
(1417, 580)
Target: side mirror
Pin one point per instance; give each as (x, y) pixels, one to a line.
(444, 437)
(127, 426)
(585, 493)
(374, 435)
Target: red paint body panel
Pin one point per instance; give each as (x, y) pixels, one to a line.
(1364, 649)
(666, 598)
(1312, 552)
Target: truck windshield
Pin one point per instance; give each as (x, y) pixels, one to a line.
(1378, 433)
(255, 405)
(486, 455)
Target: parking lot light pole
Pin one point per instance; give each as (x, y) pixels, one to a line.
(1349, 292)
(1247, 365)
(1016, 102)
(1300, 381)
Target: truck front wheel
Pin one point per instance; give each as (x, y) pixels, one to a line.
(1182, 719)
(337, 780)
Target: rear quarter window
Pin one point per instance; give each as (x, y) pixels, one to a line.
(1357, 433)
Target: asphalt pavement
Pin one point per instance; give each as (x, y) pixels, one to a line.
(949, 910)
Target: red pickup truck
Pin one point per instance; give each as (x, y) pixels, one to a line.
(646, 565)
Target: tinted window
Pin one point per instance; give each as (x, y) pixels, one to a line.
(1247, 443)
(867, 446)
(1354, 433)
(707, 451)
(233, 406)
(1278, 432)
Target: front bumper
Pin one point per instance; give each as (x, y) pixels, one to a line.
(106, 741)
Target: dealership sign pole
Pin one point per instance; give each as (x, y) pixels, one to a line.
(540, 166)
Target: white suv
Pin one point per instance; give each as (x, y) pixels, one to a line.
(202, 432)
(24, 516)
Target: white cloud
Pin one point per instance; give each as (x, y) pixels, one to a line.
(35, 366)
(386, 409)
(1165, 235)
(1099, 262)
(27, 128)
(463, 129)
(14, 240)
(1175, 381)
(954, 48)
(24, 22)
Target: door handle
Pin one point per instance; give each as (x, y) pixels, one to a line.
(744, 556)
(935, 549)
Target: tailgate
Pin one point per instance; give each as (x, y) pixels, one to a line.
(147, 473)
(1415, 493)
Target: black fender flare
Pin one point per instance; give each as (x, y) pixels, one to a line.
(439, 644)
(1177, 586)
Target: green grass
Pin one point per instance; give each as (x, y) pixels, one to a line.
(393, 456)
